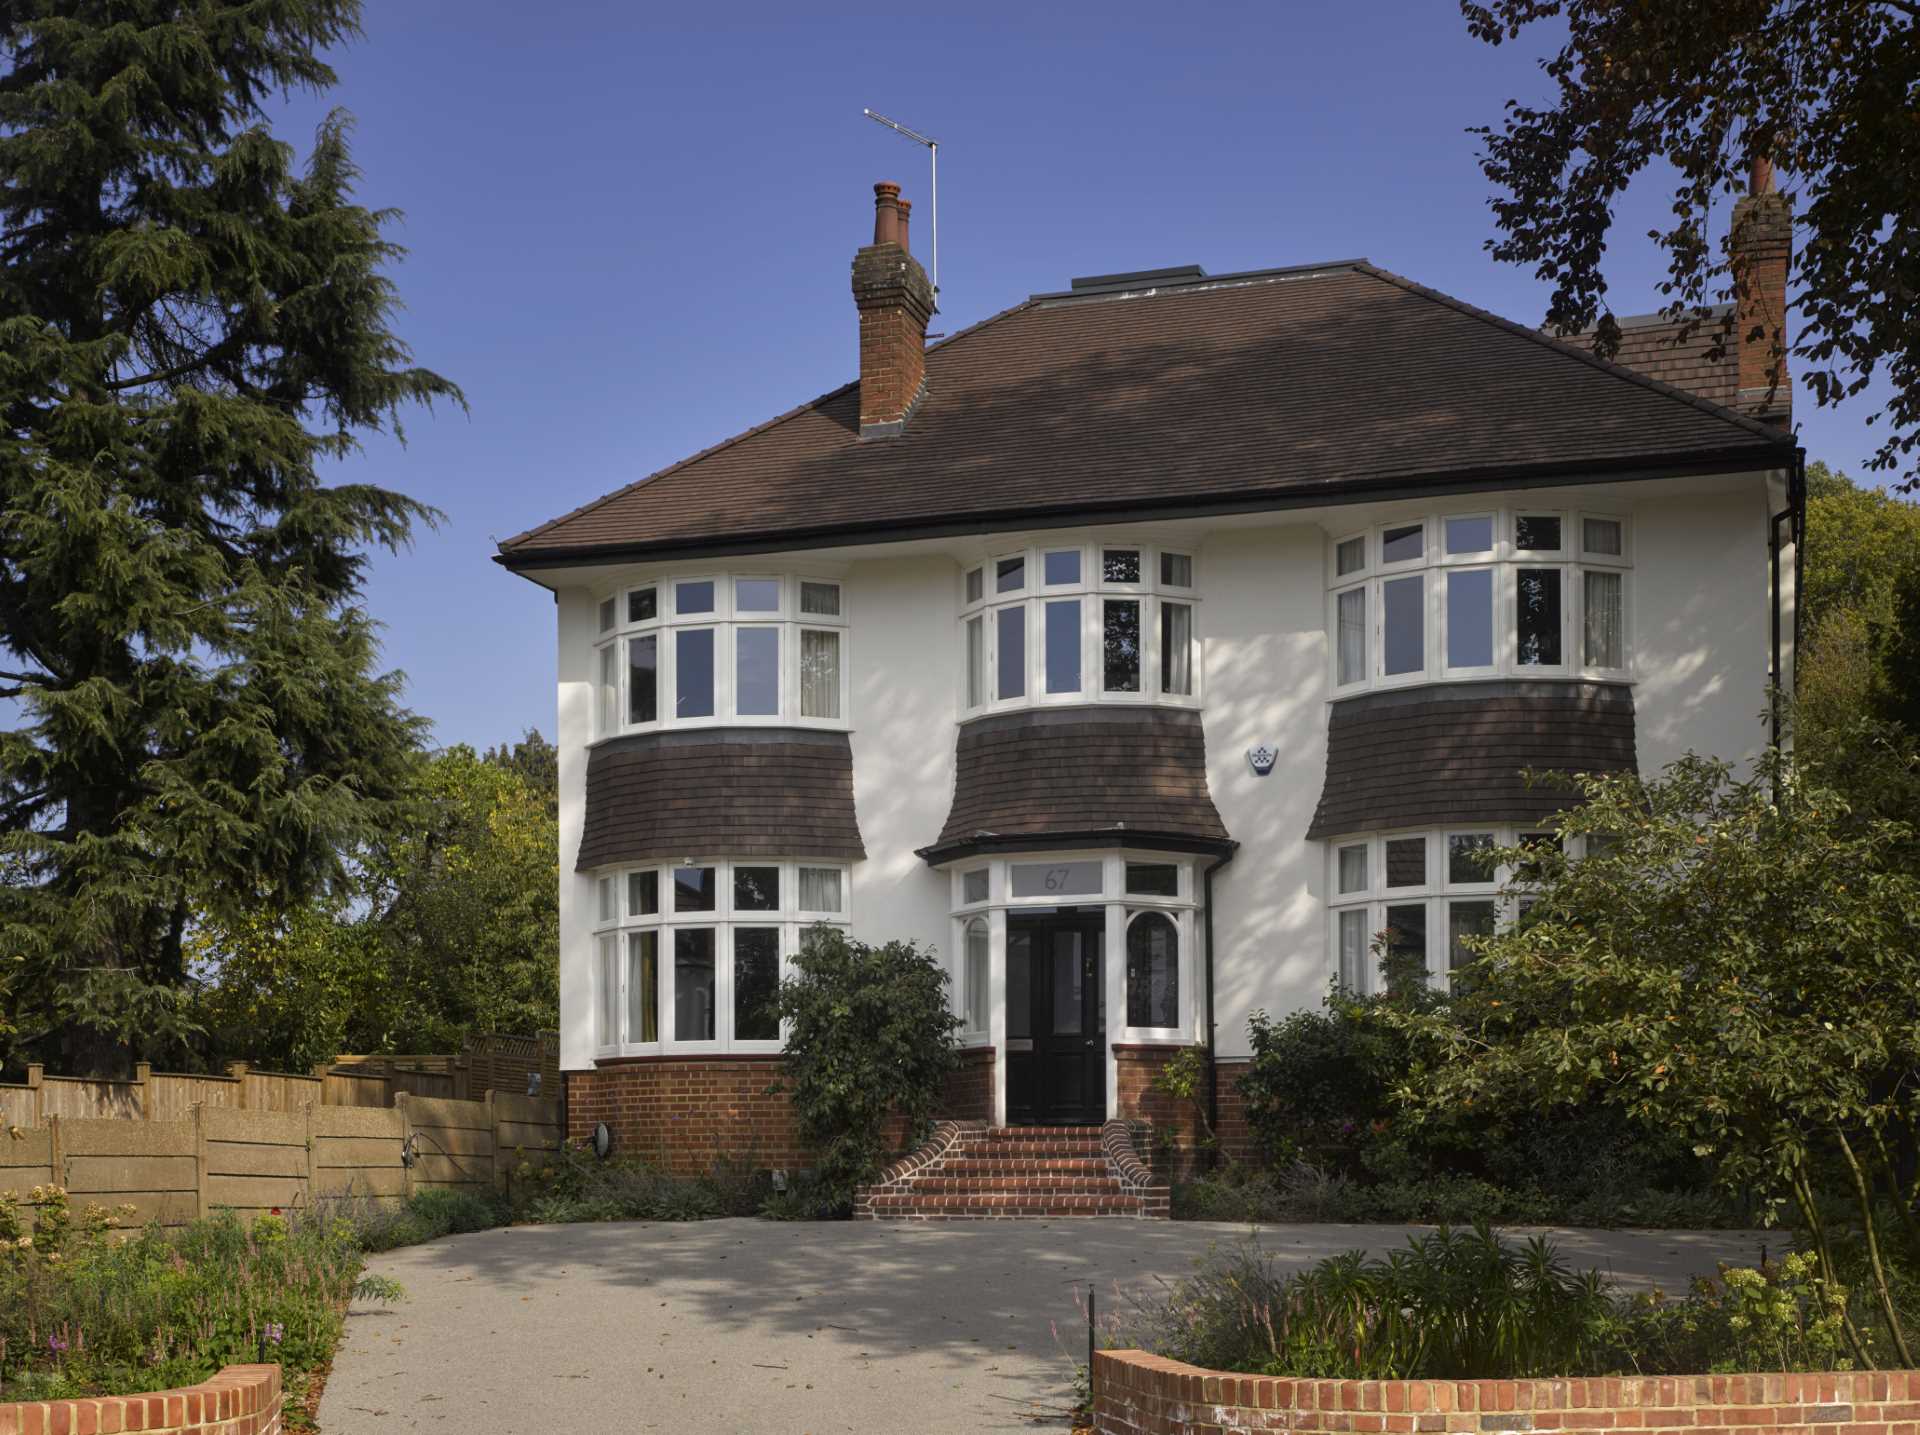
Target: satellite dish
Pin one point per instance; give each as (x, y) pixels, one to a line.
(602, 1141)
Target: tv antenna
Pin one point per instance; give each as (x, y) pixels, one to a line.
(933, 152)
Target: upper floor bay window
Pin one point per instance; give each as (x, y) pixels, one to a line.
(722, 648)
(1076, 623)
(1501, 593)
(690, 957)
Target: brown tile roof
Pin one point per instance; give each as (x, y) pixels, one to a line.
(1431, 756)
(1091, 776)
(737, 792)
(1290, 386)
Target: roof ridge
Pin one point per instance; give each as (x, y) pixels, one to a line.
(506, 544)
(1619, 371)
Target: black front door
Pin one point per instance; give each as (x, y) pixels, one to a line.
(1056, 1017)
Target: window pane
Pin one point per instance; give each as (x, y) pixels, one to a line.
(1063, 566)
(1011, 575)
(756, 981)
(609, 690)
(973, 885)
(693, 597)
(1466, 919)
(1069, 989)
(1019, 984)
(1350, 556)
(1176, 570)
(976, 662)
(1153, 879)
(643, 894)
(1537, 617)
(643, 678)
(1353, 868)
(1056, 879)
(1013, 652)
(643, 986)
(756, 690)
(1406, 861)
(606, 1017)
(1176, 649)
(1063, 646)
(693, 673)
(1470, 619)
(606, 614)
(694, 889)
(1153, 971)
(643, 605)
(604, 888)
(1466, 856)
(1605, 642)
(756, 889)
(693, 985)
(1353, 950)
(820, 889)
(1601, 535)
(976, 584)
(1352, 607)
(1407, 937)
(1536, 534)
(1403, 609)
(1121, 646)
(1120, 565)
(820, 599)
(1543, 843)
(756, 595)
(978, 974)
(1397, 545)
(1470, 535)
(819, 673)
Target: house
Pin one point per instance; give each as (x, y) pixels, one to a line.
(1143, 649)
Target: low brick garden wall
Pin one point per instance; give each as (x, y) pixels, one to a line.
(240, 1400)
(1140, 1394)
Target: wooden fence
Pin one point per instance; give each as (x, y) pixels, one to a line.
(255, 1159)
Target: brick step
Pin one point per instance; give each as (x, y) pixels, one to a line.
(1089, 1134)
(1019, 1166)
(1030, 1151)
(1016, 1185)
(1005, 1205)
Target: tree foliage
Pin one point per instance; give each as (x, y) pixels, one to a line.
(1739, 964)
(191, 326)
(1695, 93)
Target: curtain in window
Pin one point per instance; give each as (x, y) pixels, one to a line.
(1353, 950)
(819, 673)
(1606, 642)
(643, 986)
(606, 1025)
(977, 976)
(1353, 635)
(976, 662)
(1176, 648)
(820, 889)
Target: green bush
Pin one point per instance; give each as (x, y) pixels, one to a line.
(430, 1214)
(871, 1038)
(577, 1186)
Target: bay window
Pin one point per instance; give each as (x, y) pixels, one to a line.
(700, 970)
(741, 648)
(1479, 595)
(1078, 623)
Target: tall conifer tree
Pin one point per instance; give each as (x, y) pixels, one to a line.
(191, 326)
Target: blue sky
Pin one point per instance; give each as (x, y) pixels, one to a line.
(630, 226)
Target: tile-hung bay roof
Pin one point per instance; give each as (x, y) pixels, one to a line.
(1176, 393)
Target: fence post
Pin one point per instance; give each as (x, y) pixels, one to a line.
(143, 1078)
(313, 1160)
(493, 1140)
(200, 1203)
(56, 1153)
(237, 1070)
(36, 1073)
(411, 1157)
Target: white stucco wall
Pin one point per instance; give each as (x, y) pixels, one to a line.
(575, 626)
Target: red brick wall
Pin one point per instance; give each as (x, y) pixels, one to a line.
(688, 1113)
(240, 1400)
(1135, 1099)
(1136, 1393)
(1236, 1137)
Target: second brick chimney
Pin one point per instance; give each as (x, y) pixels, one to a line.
(1761, 244)
(895, 299)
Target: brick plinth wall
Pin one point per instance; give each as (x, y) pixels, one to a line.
(1236, 1137)
(1136, 1100)
(240, 1400)
(688, 1113)
(1140, 1394)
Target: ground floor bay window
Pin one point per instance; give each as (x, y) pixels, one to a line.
(1061, 957)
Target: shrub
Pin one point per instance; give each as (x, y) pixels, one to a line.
(871, 1039)
(577, 1186)
(428, 1215)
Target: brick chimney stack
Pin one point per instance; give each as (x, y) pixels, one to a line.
(895, 299)
(1761, 245)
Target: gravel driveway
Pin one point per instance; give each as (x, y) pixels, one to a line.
(802, 1329)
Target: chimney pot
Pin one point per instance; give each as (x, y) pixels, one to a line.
(886, 213)
(906, 210)
(1760, 180)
